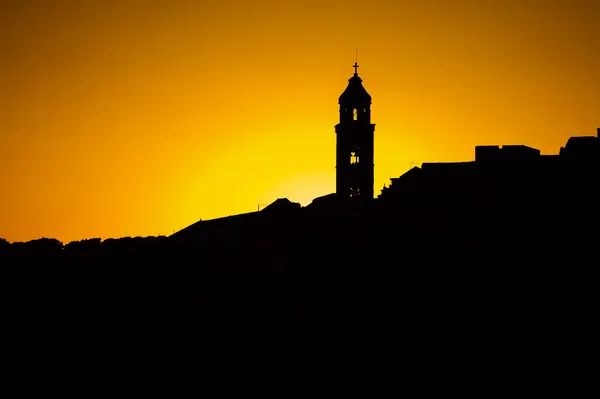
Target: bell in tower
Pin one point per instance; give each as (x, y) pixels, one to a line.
(355, 142)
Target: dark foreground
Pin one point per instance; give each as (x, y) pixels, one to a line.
(344, 262)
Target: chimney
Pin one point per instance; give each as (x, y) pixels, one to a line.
(598, 132)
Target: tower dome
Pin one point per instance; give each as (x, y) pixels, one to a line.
(355, 93)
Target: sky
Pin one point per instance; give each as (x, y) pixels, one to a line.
(138, 118)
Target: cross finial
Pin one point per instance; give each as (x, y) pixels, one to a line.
(356, 64)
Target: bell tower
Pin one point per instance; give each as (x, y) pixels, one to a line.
(355, 142)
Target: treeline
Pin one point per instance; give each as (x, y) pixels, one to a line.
(53, 247)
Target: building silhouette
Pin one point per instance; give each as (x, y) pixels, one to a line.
(509, 173)
(507, 177)
(355, 142)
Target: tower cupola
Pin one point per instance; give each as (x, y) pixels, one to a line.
(355, 93)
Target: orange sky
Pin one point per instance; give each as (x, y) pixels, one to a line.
(126, 118)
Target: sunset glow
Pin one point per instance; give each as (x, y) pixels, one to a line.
(136, 118)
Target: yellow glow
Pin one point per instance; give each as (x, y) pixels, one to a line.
(123, 118)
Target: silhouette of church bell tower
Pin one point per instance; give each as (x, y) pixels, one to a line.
(355, 142)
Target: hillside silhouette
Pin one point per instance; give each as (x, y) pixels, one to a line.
(512, 234)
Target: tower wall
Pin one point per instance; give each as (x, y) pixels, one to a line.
(355, 171)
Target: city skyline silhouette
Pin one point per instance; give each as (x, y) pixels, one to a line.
(140, 119)
(186, 163)
(355, 154)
